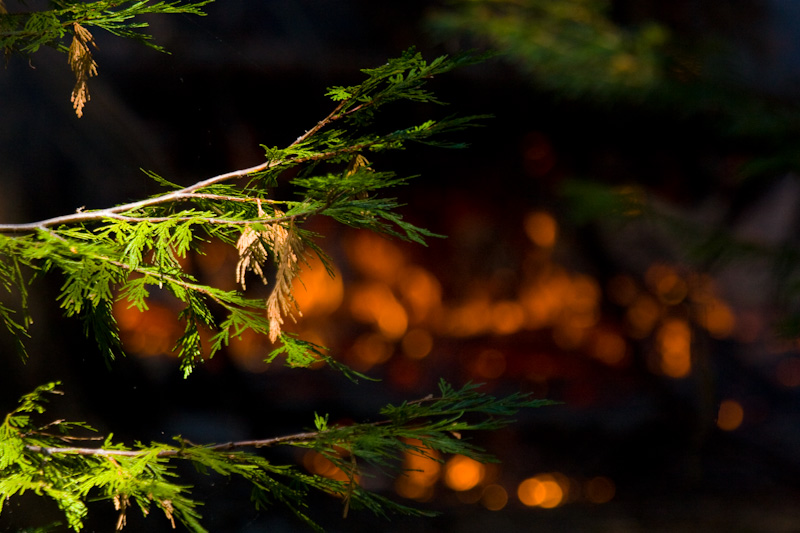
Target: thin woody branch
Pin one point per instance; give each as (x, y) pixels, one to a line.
(187, 193)
(176, 452)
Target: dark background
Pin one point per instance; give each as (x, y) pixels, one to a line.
(255, 73)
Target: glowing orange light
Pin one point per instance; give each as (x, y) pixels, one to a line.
(730, 415)
(670, 288)
(584, 294)
(599, 490)
(421, 473)
(421, 291)
(642, 316)
(568, 336)
(540, 491)
(149, 333)
(417, 343)
(369, 350)
(717, 318)
(608, 347)
(316, 292)
(674, 346)
(248, 351)
(217, 263)
(374, 302)
(468, 319)
(375, 256)
(674, 342)
(393, 321)
(788, 372)
(494, 497)
(462, 473)
(507, 317)
(320, 465)
(541, 228)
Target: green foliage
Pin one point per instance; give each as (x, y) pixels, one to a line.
(27, 32)
(571, 46)
(130, 251)
(70, 20)
(124, 255)
(44, 460)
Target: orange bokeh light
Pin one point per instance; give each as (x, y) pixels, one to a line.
(462, 473)
(543, 491)
(374, 302)
(420, 475)
(368, 350)
(375, 256)
(716, 317)
(730, 415)
(318, 464)
(674, 341)
(541, 228)
(665, 282)
(608, 347)
(417, 343)
(317, 293)
(507, 317)
(642, 316)
(421, 291)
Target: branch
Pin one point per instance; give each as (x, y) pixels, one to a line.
(189, 193)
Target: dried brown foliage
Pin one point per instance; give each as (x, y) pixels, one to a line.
(287, 249)
(82, 64)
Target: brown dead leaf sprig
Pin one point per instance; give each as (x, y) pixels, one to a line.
(82, 64)
(287, 249)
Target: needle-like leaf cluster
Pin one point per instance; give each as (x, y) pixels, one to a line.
(127, 252)
(46, 460)
(26, 32)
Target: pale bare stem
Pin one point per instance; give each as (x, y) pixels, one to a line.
(174, 196)
(296, 438)
(334, 115)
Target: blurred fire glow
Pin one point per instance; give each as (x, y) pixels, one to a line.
(541, 229)
(544, 490)
(420, 476)
(462, 473)
(674, 341)
(730, 415)
(399, 316)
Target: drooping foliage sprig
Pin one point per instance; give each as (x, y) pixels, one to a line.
(128, 251)
(69, 21)
(46, 460)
